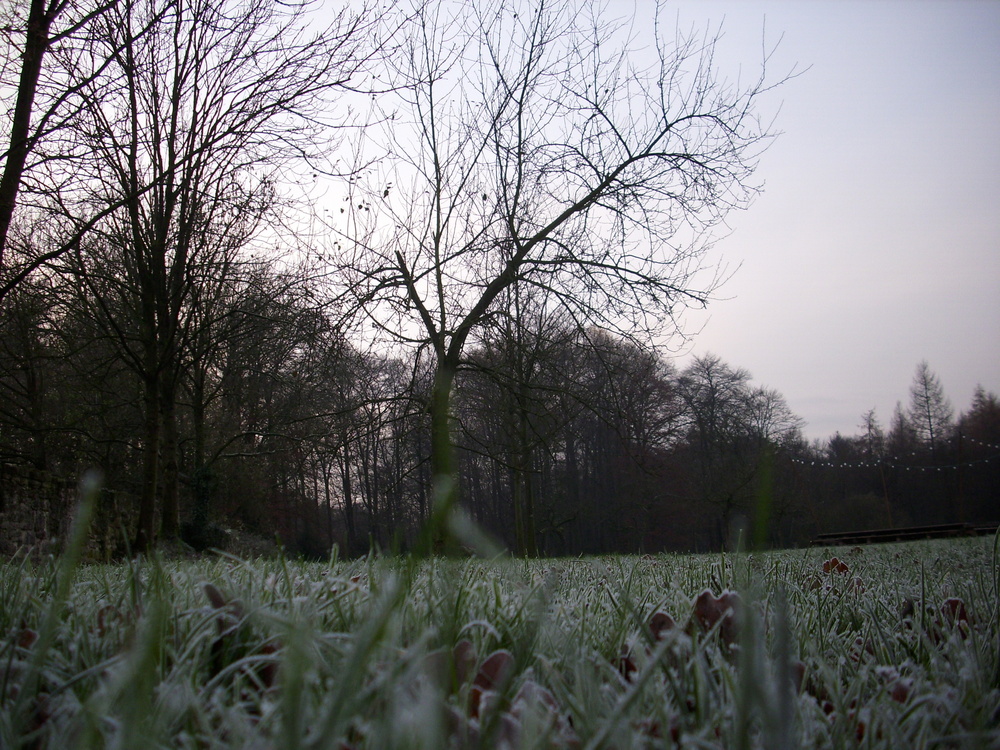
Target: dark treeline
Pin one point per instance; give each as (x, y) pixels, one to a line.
(928, 467)
(569, 441)
(327, 277)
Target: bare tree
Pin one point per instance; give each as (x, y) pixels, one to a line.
(874, 442)
(714, 395)
(531, 148)
(189, 133)
(37, 39)
(930, 412)
(55, 47)
(506, 408)
(28, 351)
(982, 420)
(733, 427)
(626, 422)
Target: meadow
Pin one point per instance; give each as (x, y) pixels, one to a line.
(893, 646)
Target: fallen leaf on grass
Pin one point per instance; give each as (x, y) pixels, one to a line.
(493, 675)
(230, 645)
(487, 704)
(954, 611)
(625, 664)
(861, 648)
(26, 637)
(952, 615)
(660, 624)
(710, 610)
(833, 565)
(898, 686)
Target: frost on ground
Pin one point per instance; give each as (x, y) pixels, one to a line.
(889, 646)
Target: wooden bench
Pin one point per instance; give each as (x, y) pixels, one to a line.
(909, 533)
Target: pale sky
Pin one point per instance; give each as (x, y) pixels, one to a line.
(876, 243)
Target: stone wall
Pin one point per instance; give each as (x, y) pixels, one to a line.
(37, 509)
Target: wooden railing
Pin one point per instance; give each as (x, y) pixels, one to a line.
(909, 533)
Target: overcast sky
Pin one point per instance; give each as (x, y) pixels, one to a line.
(876, 243)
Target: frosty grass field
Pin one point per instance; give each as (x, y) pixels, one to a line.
(891, 646)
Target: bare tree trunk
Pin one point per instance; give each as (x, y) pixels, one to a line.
(525, 502)
(528, 513)
(170, 494)
(345, 478)
(35, 44)
(444, 469)
(145, 533)
(517, 492)
(200, 473)
(326, 469)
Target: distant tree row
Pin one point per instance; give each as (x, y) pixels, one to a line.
(928, 467)
(568, 440)
(516, 210)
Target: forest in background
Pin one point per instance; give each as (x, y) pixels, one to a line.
(569, 441)
(471, 314)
